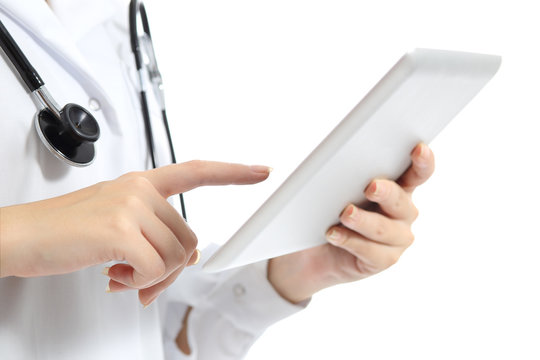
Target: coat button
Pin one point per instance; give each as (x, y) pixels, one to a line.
(239, 290)
(94, 104)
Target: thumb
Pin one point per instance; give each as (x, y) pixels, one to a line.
(179, 178)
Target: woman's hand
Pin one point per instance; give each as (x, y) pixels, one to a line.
(364, 243)
(127, 219)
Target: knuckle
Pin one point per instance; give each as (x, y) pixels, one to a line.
(410, 239)
(180, 257)
(102, 184)
(402, 199)
(106, 187)
(130, 175)
(138, 183)
(392, 259)
(195, 163)
(380, 232)
(192, 242)
(196, 166)
(379, 229)
(131, 202)
(189, 240)
(415, 213)
(407, 238)
(361, 267)
(185, 247)
(397, 205)
(367, 266)
(156, 271)
(120, 225)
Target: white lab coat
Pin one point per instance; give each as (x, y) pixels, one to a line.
(82, 53)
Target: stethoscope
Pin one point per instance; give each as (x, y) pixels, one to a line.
(69, 133)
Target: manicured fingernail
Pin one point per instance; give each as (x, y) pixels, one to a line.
(108, 289)
(150, 302)
(105, 270)
(350, 211)
(261, 169)
(334, 236)
(375, 188)
(423, 150)
(417, 151)
(197, 255)
(422, 155)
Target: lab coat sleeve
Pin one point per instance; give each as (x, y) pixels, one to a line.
(231, 313)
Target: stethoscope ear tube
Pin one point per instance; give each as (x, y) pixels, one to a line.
(70, 132)
(28, 74)
(137, 8)
(136, 11)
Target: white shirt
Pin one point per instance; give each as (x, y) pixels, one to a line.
(82, 52)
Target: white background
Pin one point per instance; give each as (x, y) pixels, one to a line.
(263, 82)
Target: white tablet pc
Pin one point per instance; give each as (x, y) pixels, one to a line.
(412, 103)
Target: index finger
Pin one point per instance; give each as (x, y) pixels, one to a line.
(179, 178)
(422, 167)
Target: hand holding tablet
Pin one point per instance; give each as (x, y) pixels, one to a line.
(411, 104)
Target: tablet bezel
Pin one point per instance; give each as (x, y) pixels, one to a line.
(451, 78)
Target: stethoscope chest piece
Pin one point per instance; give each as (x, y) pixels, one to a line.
(71, 137)
(69, 132)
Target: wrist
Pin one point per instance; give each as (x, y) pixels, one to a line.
(20, 231)
(290, 285)
(7, 231)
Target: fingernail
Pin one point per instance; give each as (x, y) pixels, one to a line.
(375, 188)
(423, 150)
(197, 253)
(334, 237)
(422, 156)
(417, 150)
(107, 289)
(350, 211)
(261, 169)
(105, 271)
(150, 302)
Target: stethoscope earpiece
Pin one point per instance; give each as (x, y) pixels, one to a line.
(71, 137)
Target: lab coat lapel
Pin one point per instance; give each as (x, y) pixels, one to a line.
(36, 17)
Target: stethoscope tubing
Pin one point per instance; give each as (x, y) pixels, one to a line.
(77, 127)
(136, 7)
(68, 132)
(27, 72)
